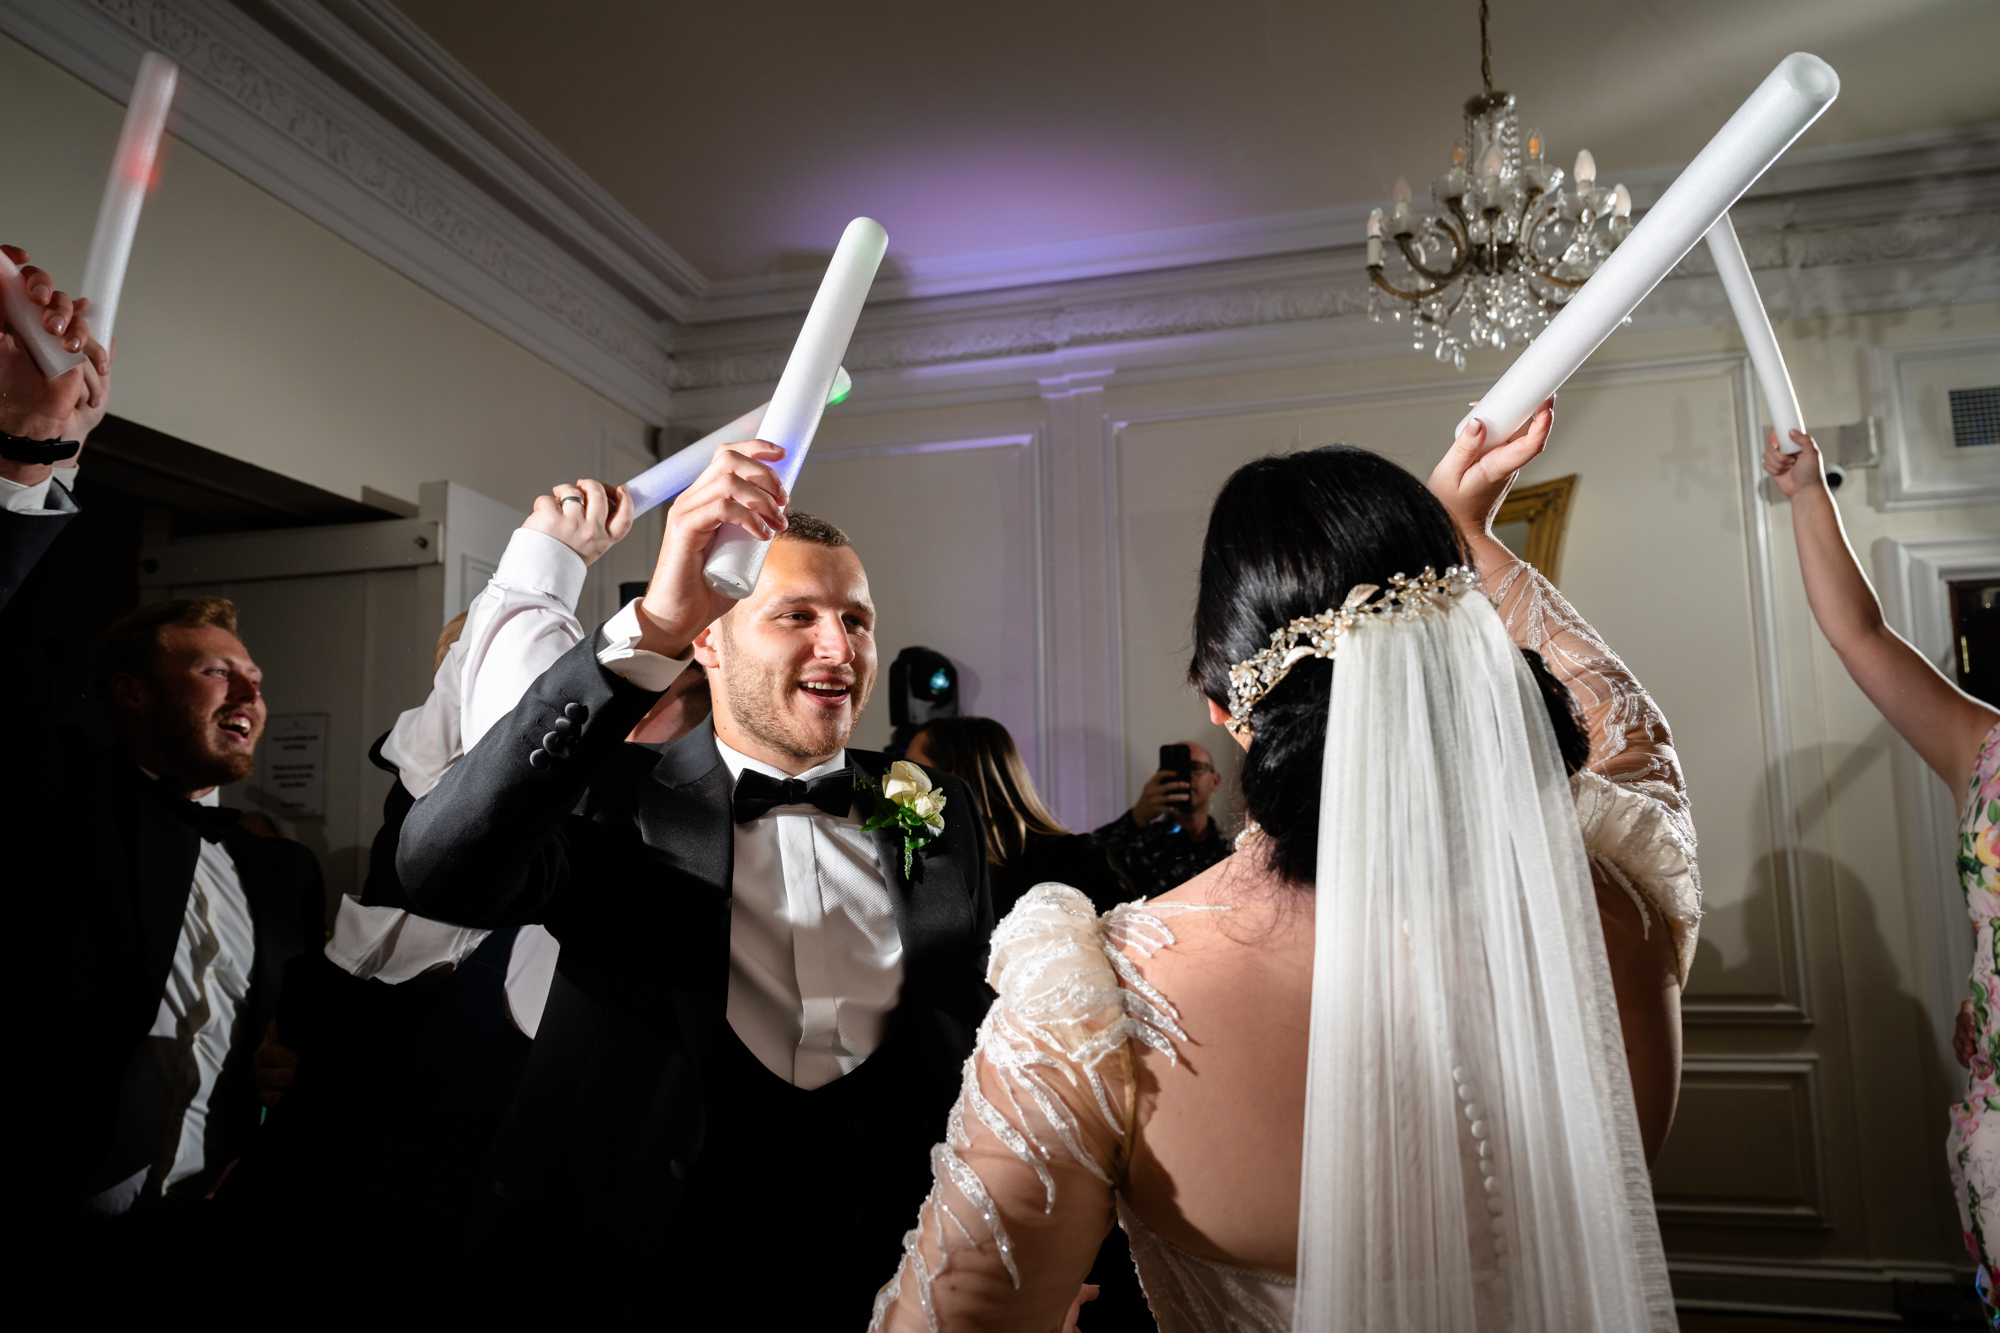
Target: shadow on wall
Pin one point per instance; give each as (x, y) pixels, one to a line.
(1769, 1156)
(1780, 1149)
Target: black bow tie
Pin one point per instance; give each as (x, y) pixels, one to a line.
(211, 822)
(757, 794)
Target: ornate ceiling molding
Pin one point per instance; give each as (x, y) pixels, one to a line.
(255, 104)
(347, 112)
(1937, 259)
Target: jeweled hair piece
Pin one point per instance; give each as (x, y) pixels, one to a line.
(1319, 636)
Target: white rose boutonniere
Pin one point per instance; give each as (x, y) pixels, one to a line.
(906, 800)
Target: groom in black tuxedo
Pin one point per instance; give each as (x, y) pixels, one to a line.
(758, 1023)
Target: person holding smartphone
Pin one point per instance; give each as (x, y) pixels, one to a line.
(1167, 837)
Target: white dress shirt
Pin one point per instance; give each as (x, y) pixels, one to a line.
(815, 959)
(21, 498)
(163, 1102)
(518, 625)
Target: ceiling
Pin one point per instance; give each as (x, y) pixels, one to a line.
(745, 134)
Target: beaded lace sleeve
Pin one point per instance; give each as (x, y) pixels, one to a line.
(1646, 846)
(1038, 1140)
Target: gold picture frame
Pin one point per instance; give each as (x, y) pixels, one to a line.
(1544, 508)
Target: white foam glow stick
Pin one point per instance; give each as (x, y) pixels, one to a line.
(125, 191)
(1755, 321)
(735, 558)
(660, 483)
(1791, 98)
(24, 321)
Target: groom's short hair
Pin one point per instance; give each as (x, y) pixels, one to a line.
(803, 527)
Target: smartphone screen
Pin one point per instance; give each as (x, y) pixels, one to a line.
(1179, 761)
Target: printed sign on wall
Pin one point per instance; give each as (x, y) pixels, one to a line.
(292, 765)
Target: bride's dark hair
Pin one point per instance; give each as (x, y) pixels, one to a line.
(1289, 537)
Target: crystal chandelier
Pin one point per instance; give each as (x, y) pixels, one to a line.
(1507, 245)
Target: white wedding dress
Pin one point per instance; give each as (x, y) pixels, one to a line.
(1037, 1145)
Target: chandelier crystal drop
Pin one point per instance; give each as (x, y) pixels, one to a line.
(1504, 243)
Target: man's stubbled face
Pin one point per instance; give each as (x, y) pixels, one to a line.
(203, 709)
(793, 663)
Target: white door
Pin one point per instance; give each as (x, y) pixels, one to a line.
(343, 620)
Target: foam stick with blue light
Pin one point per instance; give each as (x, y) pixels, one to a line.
(1789, 99)
(1758, 337)
(660, 483)
(735, 558)
(125, 192)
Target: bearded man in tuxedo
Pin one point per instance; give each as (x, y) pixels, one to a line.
(759, 1016)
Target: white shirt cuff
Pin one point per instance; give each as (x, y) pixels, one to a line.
(20, 498)
(618, 651)
(537, 562)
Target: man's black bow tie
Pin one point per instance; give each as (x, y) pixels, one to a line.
(211, 822)
(757, 794)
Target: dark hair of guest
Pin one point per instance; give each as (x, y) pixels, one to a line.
(981, 753)
(1288, 537)
(132, 645)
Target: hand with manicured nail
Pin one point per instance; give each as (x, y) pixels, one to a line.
(35, 407)
(1471, 480)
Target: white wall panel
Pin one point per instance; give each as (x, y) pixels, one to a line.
(948, 531)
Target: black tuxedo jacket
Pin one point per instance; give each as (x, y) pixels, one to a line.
(626, 852)
(100, 865)
(129, 871)
(26, 537)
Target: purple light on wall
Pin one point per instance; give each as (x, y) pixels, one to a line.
(970, 199)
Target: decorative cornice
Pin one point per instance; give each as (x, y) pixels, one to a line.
(1326, 286)
(259, 107)
(1803, 184)
(396, 68)
(347, 112)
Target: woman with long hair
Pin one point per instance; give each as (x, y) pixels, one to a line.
(1025, 845)
(1369, 1072)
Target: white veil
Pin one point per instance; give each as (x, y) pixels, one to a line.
(1472, 1156)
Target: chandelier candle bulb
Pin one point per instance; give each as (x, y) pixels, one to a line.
(1621, 202)
(735, 558)
(1375, 239)
(125, 190)
(1758, 337)
(1789, 99)
(1586, 168)
(24, 321)
(666, 479)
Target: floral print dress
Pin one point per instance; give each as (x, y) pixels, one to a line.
(1974, 1141)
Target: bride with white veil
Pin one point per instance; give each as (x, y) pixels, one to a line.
(1397, 1064)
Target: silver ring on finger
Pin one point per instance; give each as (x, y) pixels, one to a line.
(572, 499)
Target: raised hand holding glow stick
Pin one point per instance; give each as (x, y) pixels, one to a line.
(1758, 337)
(660, 483)
(735, 558)
(1791, 98)
(125, 190)
(24, 321)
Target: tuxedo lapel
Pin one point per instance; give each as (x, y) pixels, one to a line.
(163, 852)
(684, 819)
(933, 904)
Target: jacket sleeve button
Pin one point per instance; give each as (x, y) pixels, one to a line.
(576, 712)
(540, 758)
